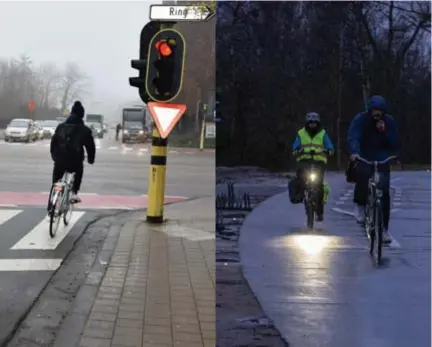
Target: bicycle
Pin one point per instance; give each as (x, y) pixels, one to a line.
(311, 189)
(60, 203)
(373, 212)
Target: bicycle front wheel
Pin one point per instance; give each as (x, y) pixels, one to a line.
(67, 214)
(55, 214)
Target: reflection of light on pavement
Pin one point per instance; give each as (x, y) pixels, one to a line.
(311, 244)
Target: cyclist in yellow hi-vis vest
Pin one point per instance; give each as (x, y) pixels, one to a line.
(313, 138)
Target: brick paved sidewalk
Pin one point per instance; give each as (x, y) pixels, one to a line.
(159, 287)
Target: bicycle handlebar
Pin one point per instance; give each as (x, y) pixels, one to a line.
(381, 162)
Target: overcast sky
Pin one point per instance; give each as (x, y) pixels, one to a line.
(102, 37)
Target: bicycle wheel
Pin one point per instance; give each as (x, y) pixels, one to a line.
(55, 214)
(67, 213)
(379, 232)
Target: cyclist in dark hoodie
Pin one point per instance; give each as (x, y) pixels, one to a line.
(67, 148)
(373, 136)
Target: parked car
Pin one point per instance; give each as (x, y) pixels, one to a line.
(39, 130)
(49, 127)
(20, 130)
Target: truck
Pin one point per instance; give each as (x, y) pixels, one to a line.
(95, 122)
(134, 125)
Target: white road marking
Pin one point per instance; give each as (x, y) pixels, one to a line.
(393, 210)
(395, 179)
(38, 237)
(29, 264)
(8, 205)
(344, 198)
(394, 243)
(112, 147)
(339, 210)
(340, 202)
(5, 215)
(397, 203)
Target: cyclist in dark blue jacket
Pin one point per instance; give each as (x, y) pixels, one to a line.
(373, 136)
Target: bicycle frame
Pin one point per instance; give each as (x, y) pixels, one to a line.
(64, 187)
(373, 210)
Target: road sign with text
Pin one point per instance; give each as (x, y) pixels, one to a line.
(177, 13)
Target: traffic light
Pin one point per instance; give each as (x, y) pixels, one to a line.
(165, 66)
(147, 33)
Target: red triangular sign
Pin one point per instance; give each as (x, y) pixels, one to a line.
(166, 116)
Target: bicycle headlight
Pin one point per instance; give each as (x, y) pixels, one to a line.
(141, 132)
(312, 176)
(125, 131)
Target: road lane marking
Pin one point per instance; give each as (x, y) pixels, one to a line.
(38, 237)
(394, 243)
(8, 205)
(5, 215)
(339, 210)
(29, 264)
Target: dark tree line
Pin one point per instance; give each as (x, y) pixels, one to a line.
(278, 60)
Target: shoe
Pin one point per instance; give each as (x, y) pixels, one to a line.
(359, 213)
(75, 198)
(319, 217)
(387, 237)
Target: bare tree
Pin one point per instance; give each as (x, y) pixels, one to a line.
(74, 84)
(48, 80)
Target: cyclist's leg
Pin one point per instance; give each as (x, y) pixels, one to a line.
(363, 173)
(79, 171)
(384, 185)
(320, 198)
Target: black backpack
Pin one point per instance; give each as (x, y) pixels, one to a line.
(69, 141)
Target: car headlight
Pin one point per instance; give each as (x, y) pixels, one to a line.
(141, 132)
(125, 131)
(312, 176)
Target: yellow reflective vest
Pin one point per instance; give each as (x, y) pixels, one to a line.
(308, 144)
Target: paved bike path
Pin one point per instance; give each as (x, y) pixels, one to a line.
(322, 288)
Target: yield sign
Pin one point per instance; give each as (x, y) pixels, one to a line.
(165, 116)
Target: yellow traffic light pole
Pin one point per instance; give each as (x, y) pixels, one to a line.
(156, 185)
(157, 175)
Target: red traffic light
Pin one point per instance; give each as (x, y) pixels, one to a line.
(164, 48)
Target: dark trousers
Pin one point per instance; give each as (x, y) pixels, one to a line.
(364, 172)
(303, 168)
(117, 134)
(60, 169)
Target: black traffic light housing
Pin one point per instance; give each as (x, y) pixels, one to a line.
(166, 56)
(147, 33)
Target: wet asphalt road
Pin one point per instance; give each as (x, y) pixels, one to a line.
(28, 257)
(321, 288)
(119, 169)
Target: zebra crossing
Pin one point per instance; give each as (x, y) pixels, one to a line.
(25, 241)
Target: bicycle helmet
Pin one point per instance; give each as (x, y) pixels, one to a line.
(313, 117)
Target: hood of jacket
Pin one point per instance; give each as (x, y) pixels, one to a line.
(376, 102)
